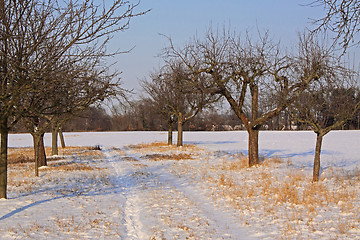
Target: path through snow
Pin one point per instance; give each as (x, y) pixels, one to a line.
(161, 205)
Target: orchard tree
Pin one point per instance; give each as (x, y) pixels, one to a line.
(330, 100)
(162, 96)
(342, 17)
(64, 99)
(241, 70)
(178, 95)
(36, 35)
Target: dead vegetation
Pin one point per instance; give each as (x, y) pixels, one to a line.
(275, 191)
(25, 155)
(66, 166)
(21, 172)
(150, 145)
(265, 191)
(272, 189)
(162, 147)
(174, 156)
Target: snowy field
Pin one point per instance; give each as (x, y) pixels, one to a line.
(200, 191)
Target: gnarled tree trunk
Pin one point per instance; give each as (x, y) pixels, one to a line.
(39, 149)
(316, 170)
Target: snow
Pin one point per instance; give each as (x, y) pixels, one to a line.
(129, 195)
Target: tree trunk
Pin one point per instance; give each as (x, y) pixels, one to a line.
(180, 131)
(54, 141)
(254, 131)
(253, 147)
(62, 140)
(39, 150)
(3, 157)
(170, 135)
(42, 153)
(316, 170)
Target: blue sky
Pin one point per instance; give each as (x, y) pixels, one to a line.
(182, 19)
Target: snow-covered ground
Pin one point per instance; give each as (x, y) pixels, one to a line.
(202, 192)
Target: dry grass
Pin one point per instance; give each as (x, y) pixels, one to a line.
(239, 163)
(162, 147)
(260, 191)
(151, 145)
(269, 162)
(160, 157)
(69, 167)
(20, 155)
(130, 159)
(25, 155)
(288, 198)
(278, 194)
(82, 152)
(21, 170)
(118, 151)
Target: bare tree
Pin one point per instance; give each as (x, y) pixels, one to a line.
(61, 99)
(342, 17)
(162, 96)
(37, 35)
(330, 100)
(240, 70)
(179, 95)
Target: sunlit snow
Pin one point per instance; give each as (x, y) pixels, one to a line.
(132, 195)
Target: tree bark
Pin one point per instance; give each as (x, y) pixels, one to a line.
(3, 157)
(62, 140)
(316, 170)
(170, 135)
(54, 141)
(42, 153)
(39, 152)
(253, 147)
(254, 131)
(180, 131)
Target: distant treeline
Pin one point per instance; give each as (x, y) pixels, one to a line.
(140, 116)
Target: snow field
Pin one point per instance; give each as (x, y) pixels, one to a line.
(201, 191)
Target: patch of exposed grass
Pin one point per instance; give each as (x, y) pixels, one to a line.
(149, 145)
(25, 155)
(174, 156)
(130, 159)
(20, 155)
(293, 200)
(239, 163)
(162, 147)
(69, 167)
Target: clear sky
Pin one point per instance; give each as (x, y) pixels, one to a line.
(182, 19)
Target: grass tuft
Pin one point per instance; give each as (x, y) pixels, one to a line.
(160, 157)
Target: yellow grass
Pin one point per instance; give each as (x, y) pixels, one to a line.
(288, 195)
(162, 147)
(21, 170)
(159, 157)
(302, 198)
(70, 167)
(24, 155)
